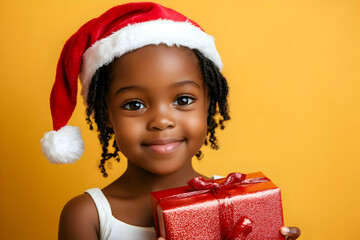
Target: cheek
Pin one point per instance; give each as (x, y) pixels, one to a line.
(128, 134)
(196, 127)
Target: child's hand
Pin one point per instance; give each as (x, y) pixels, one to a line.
(290, 233)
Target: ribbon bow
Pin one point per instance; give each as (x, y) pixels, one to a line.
(231, 181)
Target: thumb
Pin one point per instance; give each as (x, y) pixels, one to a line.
(290, 233)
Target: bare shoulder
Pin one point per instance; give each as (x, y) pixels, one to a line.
(79, 219)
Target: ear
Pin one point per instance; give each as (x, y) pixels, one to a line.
(208, 101)
(208, 98)
(107, 117)
(108, 123)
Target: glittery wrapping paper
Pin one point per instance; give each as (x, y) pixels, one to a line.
(197, 217)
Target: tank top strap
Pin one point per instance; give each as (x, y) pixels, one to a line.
(103, 209)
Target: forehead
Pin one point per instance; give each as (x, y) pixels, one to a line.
(156, 64)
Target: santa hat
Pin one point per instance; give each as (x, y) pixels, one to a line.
(97, 43)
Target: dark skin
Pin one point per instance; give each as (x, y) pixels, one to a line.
(157, 105)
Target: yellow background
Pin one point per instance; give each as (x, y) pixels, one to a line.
(293, 69)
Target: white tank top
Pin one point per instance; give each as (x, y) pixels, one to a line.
(114, 229)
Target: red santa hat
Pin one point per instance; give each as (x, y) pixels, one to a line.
(97, 43)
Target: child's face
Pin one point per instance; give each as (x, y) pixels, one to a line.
(157, 105)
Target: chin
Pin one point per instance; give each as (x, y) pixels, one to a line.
(162, 171)
(165, 169)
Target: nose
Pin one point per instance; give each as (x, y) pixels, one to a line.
(161, 118)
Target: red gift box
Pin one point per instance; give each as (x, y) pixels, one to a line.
(233, 208)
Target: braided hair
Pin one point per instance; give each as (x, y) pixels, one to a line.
(217, 88)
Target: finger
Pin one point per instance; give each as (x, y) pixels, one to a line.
(161, 238)
(291, 232)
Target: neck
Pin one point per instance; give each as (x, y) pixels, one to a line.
(139, 181)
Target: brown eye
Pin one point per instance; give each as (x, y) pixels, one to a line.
(134, 105)
(184, 100)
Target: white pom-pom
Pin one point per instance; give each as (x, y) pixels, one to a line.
(63, 146)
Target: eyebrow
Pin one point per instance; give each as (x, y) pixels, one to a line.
(127, 88)
(186, 82)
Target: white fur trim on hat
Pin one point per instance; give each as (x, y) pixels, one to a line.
(139, 35)
(63, 146)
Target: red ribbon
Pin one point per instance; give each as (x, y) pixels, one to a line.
(229, 231)
(240, 230)
(231, 181)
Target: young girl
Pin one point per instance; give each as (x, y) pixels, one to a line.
(151, 81)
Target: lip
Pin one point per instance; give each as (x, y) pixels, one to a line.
(163, 146)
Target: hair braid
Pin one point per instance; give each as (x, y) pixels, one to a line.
(96, 104)
(218, 91)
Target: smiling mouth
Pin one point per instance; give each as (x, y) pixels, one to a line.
(163, 147)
